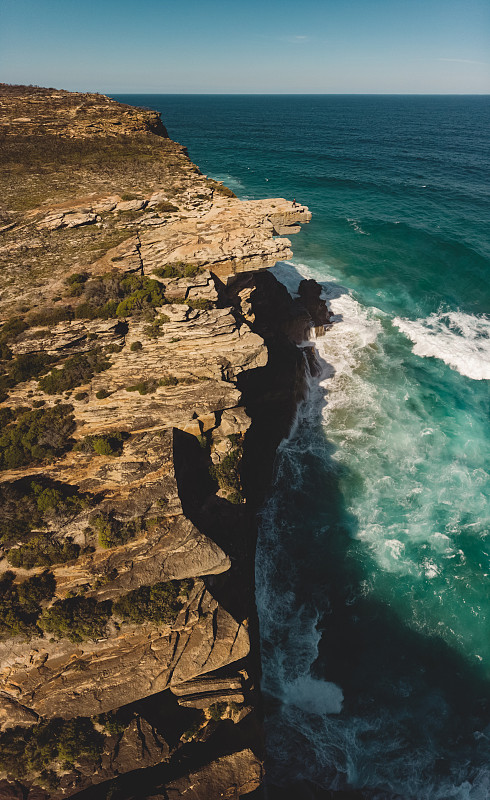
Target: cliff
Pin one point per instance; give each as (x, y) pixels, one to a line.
(149, 369)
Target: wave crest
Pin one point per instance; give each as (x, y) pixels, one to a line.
(462, 341)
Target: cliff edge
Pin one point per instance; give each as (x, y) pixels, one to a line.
(149, 369)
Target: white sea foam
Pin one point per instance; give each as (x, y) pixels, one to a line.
(354, 224)
(313, 695)
(461, 340)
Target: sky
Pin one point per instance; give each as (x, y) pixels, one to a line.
(252, 46)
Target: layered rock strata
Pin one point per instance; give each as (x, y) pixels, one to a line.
(136, 315)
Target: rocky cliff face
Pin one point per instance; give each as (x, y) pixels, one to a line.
(149, 370)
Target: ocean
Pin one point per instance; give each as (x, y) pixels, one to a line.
(373, 559)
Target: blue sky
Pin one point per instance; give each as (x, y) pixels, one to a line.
(264, 46)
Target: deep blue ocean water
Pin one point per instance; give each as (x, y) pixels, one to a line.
(373, 562)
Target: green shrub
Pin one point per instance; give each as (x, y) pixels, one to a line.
(143, 387)
(116, 294)
(150, 294)
(30, 752)
(154, 330)
(75, 283)
(194, 729)
(102, 394)
(226, 472)
(113, 532)
(158, 603)
(91, 311)
(81, 395)
(113, 723)
(22, 368)
(27, 366)
(77, 277)
(199, 303)
(43, 551)
(179, 269)
(7, 414)
(27, 506)
(37, 435)
(135, 346)
(217, 710)
(19, 603)
(11, 329)
(130, 196)
(168, 380)
(77, 370)
(109, 444)
(191, 270)
(76, 618)
(165, 206)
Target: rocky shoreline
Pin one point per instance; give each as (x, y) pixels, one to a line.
(150, 368)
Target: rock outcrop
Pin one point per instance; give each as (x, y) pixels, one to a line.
(136, 313)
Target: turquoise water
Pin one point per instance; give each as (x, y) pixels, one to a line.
(373, 560)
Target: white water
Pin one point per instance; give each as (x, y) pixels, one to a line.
(461, 340)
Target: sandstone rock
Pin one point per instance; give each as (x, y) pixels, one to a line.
(68, 219)
(233, 236)
(140, 746)
(131, 205)
(13, 713)
(137, 661)
(228, 777)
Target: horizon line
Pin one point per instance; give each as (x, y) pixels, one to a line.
(305, 94)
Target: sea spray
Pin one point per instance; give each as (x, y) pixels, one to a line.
(460, 340)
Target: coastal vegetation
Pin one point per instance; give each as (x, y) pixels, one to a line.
(76, 371)
(158, 603)
(36, 436)
(76, 618)
(27, 506)
(37, 752)
(20, 603)
(42, 550)
(108, 444)
(226, 472)
(178, 269)
(113, 532)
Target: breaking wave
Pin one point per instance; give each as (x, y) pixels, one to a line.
(461, 340)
